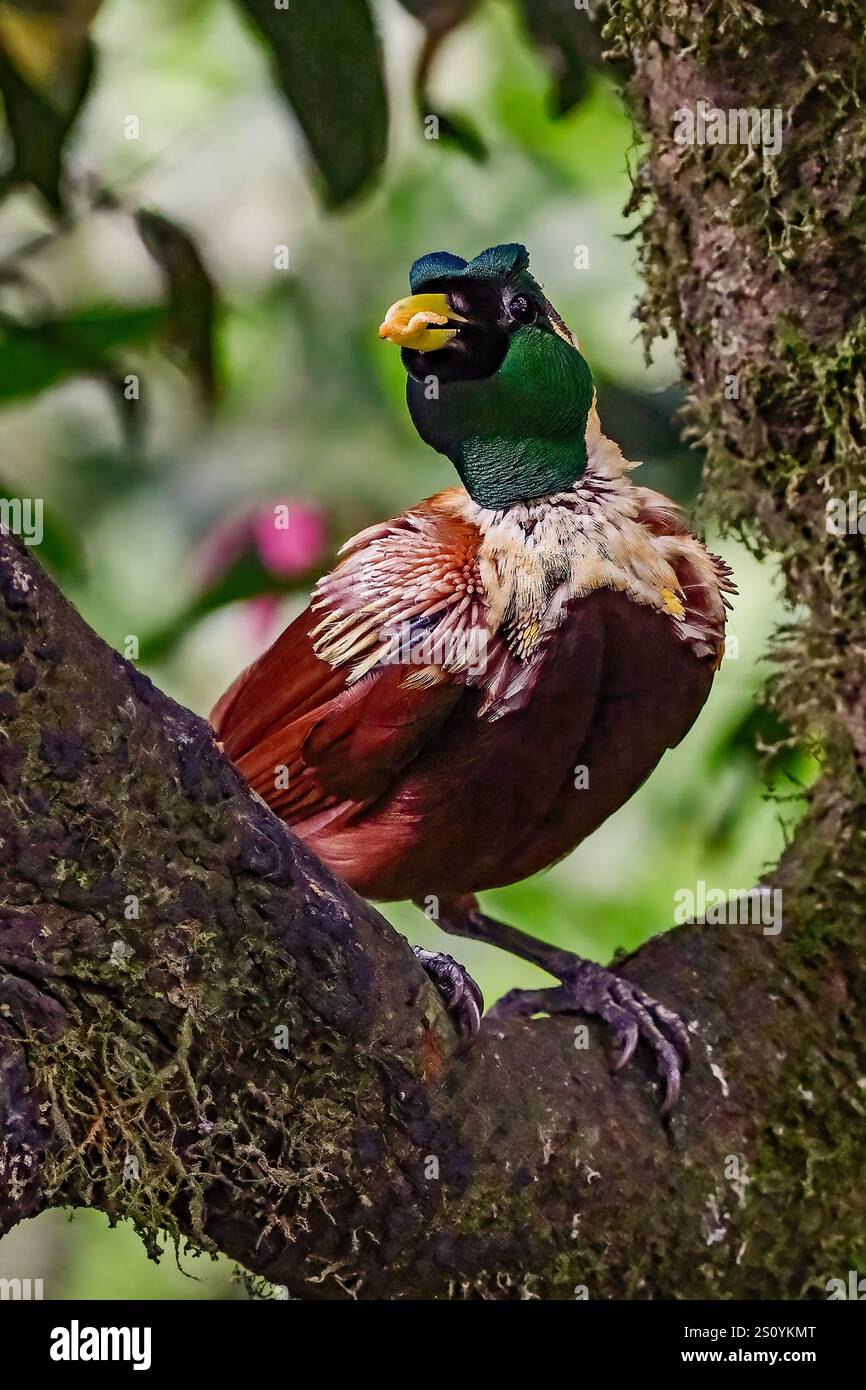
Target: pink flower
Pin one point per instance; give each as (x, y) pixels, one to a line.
(289, 538)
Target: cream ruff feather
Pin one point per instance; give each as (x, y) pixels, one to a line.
(506, 578)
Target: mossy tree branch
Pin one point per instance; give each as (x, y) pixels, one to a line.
(163, 933)
(754, 260)
(206, 1032)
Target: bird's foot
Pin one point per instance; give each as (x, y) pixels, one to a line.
(631, 1013)
(461, 995)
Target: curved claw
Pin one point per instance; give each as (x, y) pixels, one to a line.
(520, 1003)
(629, 1039)
(460, 994)
(662, 1029)
(632, 1015)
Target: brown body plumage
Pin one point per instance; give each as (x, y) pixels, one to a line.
(423, 723)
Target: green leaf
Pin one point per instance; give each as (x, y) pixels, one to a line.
(570, 44)
(454, 129)
(39, 126)
(245, 579)
(439, 18)
(192, 298)
(327, 59)
(59, 546)
(34, 357)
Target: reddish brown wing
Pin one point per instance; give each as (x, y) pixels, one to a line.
(307, 742)
(305, 735)
(285, 683)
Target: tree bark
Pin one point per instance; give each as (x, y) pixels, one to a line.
(203, 1030)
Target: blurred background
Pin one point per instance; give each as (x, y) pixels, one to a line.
(190, 286)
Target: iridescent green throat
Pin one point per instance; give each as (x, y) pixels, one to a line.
(518, 433)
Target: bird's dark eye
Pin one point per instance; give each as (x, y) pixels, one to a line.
(523, 309)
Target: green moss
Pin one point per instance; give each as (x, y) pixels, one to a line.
(784, 241)
(126, 1123)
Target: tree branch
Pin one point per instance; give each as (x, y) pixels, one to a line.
(363, 1155)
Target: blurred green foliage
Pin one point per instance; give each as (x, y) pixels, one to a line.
(328, 64)
(197, 258)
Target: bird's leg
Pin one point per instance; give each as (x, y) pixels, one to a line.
(584, 988)
(460, 994)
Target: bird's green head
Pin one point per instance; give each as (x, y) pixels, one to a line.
(495, 380)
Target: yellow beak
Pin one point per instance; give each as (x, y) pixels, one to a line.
(408, 322)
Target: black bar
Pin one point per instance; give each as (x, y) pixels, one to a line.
(241, 1338)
